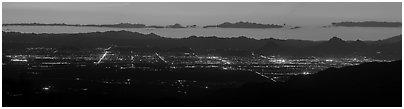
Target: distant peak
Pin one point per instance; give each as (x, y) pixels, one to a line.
(336, 39)
(152, 34)
(193, 36)
(176, 25)
(243, 37)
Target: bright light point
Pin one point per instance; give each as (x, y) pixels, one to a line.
(306, 73)
(329, 60)
(46, 88)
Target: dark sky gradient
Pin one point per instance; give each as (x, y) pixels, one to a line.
(206, 13)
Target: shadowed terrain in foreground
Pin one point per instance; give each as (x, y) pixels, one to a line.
(368, 84)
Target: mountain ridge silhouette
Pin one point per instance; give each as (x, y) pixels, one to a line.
(387, 48)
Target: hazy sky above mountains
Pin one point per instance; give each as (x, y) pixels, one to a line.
(207, 13)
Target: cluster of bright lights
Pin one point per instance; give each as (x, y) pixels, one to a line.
(46, 88)
(279, 61)
(103, 56)
(306, 73)
(161, 58)
(19, 60)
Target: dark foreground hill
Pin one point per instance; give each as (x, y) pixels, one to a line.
(385, 49)
(365, 85)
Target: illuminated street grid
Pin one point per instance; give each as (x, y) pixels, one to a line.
(274, 68)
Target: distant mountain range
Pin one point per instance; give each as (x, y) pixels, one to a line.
(129, 25)
(239, 24)
(120, 25)
(367, 24)
(244, 25)
(388, 48)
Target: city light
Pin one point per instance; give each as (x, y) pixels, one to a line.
(103, 56)
(19, 60)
